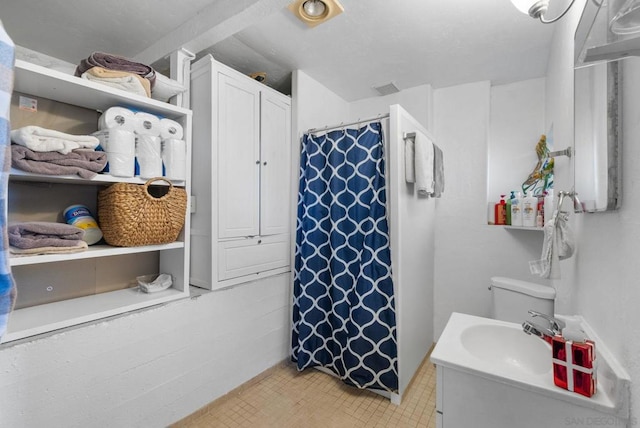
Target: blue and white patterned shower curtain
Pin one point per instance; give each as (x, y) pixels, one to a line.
(344, 311)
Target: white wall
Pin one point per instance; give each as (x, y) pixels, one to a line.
(516, 123)
(602, 285)
(149, 368)
(412, 230)
(417, 101)
(468, 251)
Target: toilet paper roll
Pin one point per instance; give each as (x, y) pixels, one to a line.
(148, 163)
(147, 124)
(120, 164)
(170, 129)
(117, 117)
(117, 140)
(174, 158)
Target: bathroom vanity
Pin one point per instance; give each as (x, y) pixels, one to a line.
(490, 374)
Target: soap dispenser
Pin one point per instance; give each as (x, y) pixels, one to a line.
(509, 201)
(529, 210)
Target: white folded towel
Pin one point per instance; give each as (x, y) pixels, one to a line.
(126, 83)
(41, 139)
(424, 164)
(409, 161)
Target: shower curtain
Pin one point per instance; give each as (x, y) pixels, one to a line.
(344, 311)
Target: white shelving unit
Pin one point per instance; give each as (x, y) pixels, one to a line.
(100, 269)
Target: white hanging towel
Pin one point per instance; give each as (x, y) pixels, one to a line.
(409, 161)
(558, 245)
(424, 164)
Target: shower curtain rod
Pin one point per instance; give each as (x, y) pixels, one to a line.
(343, 125)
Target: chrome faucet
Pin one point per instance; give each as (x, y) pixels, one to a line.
(555, 324)
(538, 330)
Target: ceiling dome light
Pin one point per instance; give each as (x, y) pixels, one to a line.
(314, 8)
(537, 8)
(314, 12)
(533, 8)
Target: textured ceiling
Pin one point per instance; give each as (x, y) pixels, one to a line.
(374, 42)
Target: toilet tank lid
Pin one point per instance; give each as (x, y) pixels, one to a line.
(530, 288)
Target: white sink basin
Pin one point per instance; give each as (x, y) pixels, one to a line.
(500, 353)
(506, 345)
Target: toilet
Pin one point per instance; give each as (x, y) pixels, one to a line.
(512, 298)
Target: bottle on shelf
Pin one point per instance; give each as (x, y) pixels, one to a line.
(548, 205)
(529, 210)
(509, 201)
(540, 211)
(501, 211)
(516, 209)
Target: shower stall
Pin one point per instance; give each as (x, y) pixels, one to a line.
(364, 260)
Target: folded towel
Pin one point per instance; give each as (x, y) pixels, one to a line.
(438, 172)
(124, 80)
(114, 62)
(409, 161)
(41, 139)
(424, 164)
(79, 247)
(38, 234)
(83, 162)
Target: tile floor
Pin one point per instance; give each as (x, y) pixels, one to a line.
(285, 398)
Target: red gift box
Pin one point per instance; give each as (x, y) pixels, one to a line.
(574, 365)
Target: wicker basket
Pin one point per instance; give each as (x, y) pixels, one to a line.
(130, 216)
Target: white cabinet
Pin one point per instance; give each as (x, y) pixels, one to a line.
(57, 291)
(242, 177)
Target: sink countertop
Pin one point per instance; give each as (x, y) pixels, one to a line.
(450, 352)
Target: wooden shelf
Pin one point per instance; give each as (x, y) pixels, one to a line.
(54, 316)
(173, 258)
(94, 251)
(43, 82)
(534, 229)
(19, 175)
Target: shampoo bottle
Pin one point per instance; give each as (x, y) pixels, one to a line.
(529, 210)
(516, 209)
(501, 211)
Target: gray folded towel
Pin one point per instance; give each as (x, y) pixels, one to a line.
(82, 162)
(114, 62)
(36, 234)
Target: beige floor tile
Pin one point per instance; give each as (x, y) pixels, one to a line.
(285, 398)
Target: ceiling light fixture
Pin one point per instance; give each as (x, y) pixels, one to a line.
(314, 12)
(537, 8)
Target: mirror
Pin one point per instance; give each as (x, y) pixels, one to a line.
(600, 78)
(597, 135)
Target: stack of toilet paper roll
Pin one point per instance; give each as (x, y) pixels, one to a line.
(117, 138)
(174, 149)
(139, 143)
(148, 146)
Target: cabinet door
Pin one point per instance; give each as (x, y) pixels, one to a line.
(275, 177)
(238, 157)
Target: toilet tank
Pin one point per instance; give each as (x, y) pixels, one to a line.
(512, 299)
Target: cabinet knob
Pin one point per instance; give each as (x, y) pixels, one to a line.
(257, 162)
(259, 241)
(264, 163)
